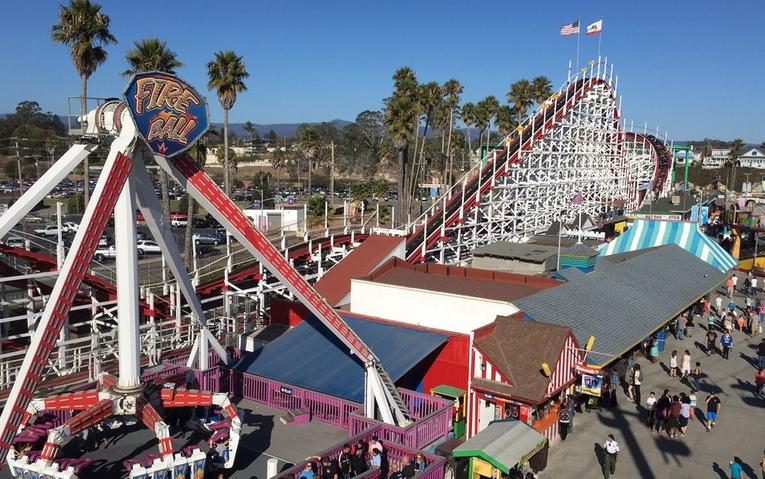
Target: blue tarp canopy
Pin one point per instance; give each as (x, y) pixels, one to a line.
(311, 357)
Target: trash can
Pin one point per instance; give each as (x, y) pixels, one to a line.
(538, 462)
(661, 338)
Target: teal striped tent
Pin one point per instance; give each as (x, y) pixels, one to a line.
(648, 234)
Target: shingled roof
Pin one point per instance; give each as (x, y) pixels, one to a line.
(623, 302)
(518, 348)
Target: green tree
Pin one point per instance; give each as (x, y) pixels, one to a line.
(486, 109)
(249, 127)
(401, 114)
(467, 112)
(309, 143)
(148, 55)
(151, 54)
(226, 74)
(315, 206)
(541, 89)
(279, 159)
(506, 120)
(736, 150)
(452, 91)
(85, 30)
(521, 95)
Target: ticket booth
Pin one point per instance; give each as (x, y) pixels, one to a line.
(459, 396)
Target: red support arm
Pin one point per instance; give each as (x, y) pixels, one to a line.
(152, 420)
(72, 402)
(110, 184)
(89, 417)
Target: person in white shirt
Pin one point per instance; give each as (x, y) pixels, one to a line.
(650, 404)
(718, 304)
(611, 448)
(753, 286)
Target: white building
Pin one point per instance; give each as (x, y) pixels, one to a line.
(753, 158)
(280, 219)
(717, 159)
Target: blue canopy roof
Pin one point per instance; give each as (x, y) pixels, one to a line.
(311, 357)
(648, 234)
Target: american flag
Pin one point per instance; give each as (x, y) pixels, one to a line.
(570, 28)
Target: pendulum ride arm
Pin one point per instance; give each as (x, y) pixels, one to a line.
(76, 401)
(204, 190)
(183, 398)
(44, 185)
(160, 231)
(115, 172)
(58, 436)
(152, 420)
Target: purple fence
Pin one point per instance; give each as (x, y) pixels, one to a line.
(322, 408)
(432, 417)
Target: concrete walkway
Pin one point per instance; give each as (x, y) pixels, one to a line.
(740, 430)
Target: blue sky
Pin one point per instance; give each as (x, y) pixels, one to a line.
(692, 67)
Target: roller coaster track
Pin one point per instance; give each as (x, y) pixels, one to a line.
(454, 206)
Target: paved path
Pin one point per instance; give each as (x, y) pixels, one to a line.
(740, 431)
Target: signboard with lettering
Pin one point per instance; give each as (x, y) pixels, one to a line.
(169, 114)
(285, 390)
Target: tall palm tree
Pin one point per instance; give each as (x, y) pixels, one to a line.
(278, 161)
(541, 89)
(310, 146)
(488, 108)
(521, 96)
(226, 75)
(430, 99)
(452, 91)
(199, 153)
(506, 120)
(736, 150)
(400, 114)
(85, 30)
(467, 112)
(152, 55)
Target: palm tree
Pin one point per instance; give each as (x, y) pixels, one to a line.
(310, 146)
(506, 120)
(521, 95)
(541, 89)
(278, 161)
(488, 108)
(400, 114)
(430, 99)
(226, 75)
(467, 113)
(452, 91)
(85, 30)
(152, 55)
(736, 150)
(199, 152)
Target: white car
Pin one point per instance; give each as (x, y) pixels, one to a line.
(109, 253)
(49, 230)
(15, 242)
(147, 247)
(70, 227)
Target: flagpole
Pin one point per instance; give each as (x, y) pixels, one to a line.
(578, 35)
(600, 37)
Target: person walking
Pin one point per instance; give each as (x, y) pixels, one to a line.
(685, 368)
(728, 322)
(650, 404)
(753, 286)
(735, 469)
(711, 341)
(564, 419)
(729, 286)
(685, 414)
(694, 403)
(718, 304)
(654, 350)
(759, 382)
(735, 283)
(611, 448)
(673, 364)
(662, 411)
(761, 355)
(695, 377)
(673, 426)
(637, 380)
(726, 343)
(713, 409)
(682, 321)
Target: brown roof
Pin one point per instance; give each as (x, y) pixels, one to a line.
(336, 284)
(518, 348)
(478, 283)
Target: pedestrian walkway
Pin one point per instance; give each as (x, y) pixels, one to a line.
(700, 454)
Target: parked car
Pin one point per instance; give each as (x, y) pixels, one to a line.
(104, 241)
(178, 220)
(147, 247)
(49, 230)
(109, 253)
(33, 219)
(15, 242)
(70, 227)
(215, 238)
(207, 250)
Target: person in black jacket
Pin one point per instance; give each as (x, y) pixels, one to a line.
(358, 461)
(344, 461)
(407, 468)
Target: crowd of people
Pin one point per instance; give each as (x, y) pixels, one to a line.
(355, 459)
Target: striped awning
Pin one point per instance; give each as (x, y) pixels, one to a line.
(648, 234)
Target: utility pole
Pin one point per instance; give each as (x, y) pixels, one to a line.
(18, 167)
(332, 177)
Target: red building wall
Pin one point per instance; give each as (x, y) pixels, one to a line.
(451, 366)
(287, 312)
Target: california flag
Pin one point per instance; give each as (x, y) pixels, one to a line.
(595, 28)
